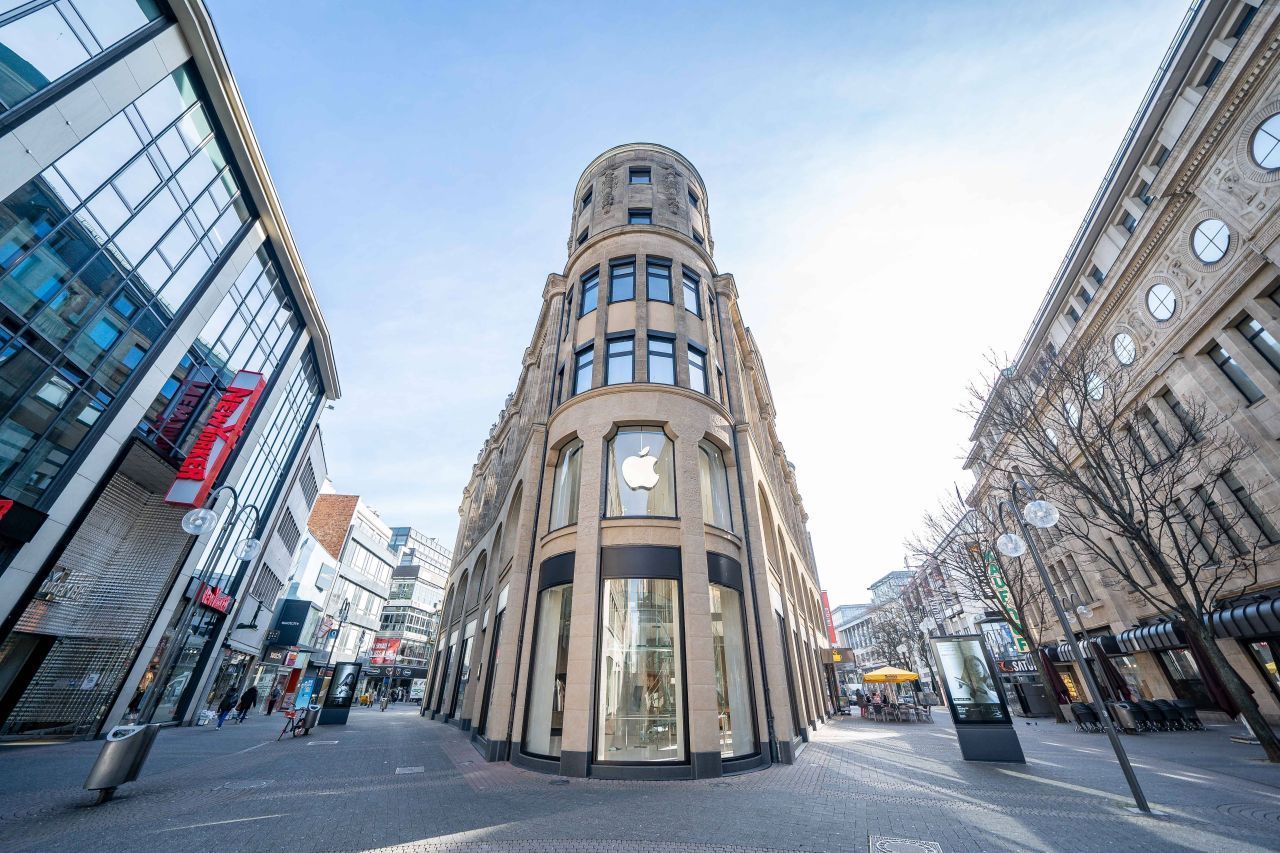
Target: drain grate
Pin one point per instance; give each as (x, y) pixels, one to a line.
(884, 844)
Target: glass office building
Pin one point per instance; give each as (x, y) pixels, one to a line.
(137, 279)
(638, 575)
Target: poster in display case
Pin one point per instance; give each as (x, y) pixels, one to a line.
(342, 689)
(984, 728)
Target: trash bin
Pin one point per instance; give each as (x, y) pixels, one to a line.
(1123, 714)
(121, 758)
(311, 718)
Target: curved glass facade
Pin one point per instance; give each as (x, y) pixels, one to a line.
(641, 683)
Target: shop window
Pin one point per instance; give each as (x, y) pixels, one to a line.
(544, 728)
(641, 695)
(733, 687)
(641, 479)
(564, 488)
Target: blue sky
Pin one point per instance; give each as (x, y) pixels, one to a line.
(911, 171)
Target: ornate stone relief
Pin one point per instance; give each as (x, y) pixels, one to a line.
(608, 188)
(670, 189)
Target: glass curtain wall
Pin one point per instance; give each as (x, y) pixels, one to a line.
(544, 727)
(44, 42)
(641, 683)
(641, 477)
(98, 254)
(733, 686)
(564, 489)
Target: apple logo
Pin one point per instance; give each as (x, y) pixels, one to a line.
(638, 471)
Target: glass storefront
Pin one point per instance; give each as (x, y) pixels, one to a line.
(545, 726)
(1128, 668)
(464, 670)
(733, 687)
(1184, 677)
(641, 693)
(1265, 653)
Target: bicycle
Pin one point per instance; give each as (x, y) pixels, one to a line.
(295, 722)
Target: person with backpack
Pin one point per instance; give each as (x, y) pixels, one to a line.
(224, 707)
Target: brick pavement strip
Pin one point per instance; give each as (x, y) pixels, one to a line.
(240, 790)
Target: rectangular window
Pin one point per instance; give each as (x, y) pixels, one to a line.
(1225, 528)
(1143, 192)
(1180, 412)
(662, 360)
(1261, 339)
(1211, 73)
(1251, 508)
(582, 238)
(639, 176)
(1085, 296)
(692, 291)
(590, 292)
(697, 238)
(1245, 19)
(693, 200)
(622, 280)
(582, 364)
(1162, 154)
(1073, 314)
(1097, 275)
(586, 199)
(1157, 429)
(1236, 374)
(1128, 222)
(620, 366)
(697, 369)
(640, 216)
(658, 279)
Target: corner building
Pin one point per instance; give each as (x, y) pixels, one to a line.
(633, 592)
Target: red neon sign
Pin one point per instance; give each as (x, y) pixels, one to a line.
(213, 446)
(214, 599)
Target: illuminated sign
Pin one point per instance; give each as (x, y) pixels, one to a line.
(216, 440)
(171, 422)
(214, 599)
(831, 623)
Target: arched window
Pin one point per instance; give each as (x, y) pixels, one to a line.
(564, 488)
(641, 477)
(715, 486)
(512, 523)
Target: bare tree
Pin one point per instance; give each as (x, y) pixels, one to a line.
(1147, 486)
(960, 545)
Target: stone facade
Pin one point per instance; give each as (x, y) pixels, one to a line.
(639, 210)
(1194, 154)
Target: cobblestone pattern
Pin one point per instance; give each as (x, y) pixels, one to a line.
(240, 790)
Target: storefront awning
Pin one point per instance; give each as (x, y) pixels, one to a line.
(1058, 653)
(1109, 644)
(1150, 638)
(1247, 620)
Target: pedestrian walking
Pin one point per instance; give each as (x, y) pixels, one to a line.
(272, 698)
(247, 701)
(224, 707)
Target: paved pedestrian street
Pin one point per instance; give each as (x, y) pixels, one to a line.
(395, 781)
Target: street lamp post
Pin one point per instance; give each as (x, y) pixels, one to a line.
(1042, 514)
(198, 522)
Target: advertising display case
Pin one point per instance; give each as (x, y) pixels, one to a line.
(984, 728)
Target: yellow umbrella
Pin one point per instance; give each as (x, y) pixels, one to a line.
(889, 675)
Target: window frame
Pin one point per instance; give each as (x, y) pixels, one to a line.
(609, 342)
(640, 216)
(670, 341)
(590, 282)
(637, 172)
(588, 351)
(688, 276)
(1213, 353)
(655, 263)
(693, 348)
(616, 264)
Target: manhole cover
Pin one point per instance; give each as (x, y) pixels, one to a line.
(244, 784)
(1251, 811)
(882, 844)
